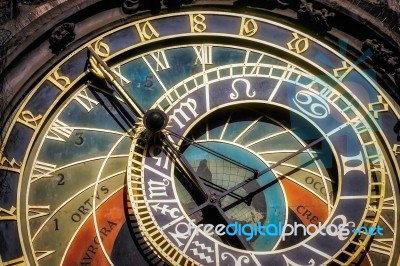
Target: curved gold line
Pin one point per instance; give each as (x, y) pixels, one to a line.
(84, 221)
(246, 129)
(306, 170)
(27, 155)
(78, 162)
(71, 198)
(394, 109)
(267, 137)
(94, 198)
(264, 161)
(279, 174)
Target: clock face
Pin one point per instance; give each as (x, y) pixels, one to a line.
(202, 138)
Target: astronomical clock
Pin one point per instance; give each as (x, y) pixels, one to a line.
(139, 143)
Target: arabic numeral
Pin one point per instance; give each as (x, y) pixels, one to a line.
(61, 180)
(149, 81)
(79, 139)
(56, 224)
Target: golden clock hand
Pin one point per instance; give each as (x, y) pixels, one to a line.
(117, 103)
(109, 93)
(100, 69)
(266, 170)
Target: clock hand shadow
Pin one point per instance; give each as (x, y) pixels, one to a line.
(188, 172)
(126, 119)
(249, 197)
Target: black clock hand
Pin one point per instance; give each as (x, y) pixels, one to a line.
(155, 120)
(266, 170)
(238, 239)
(118, 104)
(210, 199)
(251, 179)
(213, 152)
(216, 187)
(100, 69)
(208, 183)
(186, 167)
(248, 198)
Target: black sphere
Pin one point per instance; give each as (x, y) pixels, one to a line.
(155, 120)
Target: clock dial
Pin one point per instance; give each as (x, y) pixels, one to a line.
(259, 140)
(321, 118)
(252, 124)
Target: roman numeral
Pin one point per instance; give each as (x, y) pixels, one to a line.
(380, 103)
(330, 94)
(388, 203)
(86, 102)
(359, 125)
(161, 60)
(38, 211)
(382, 246)
(396, 149)
(15, 262)
(59, 131)
(10, 214)
(204, 54)
(42, 169)
(253, 70)
(42, 254)
(122, 79)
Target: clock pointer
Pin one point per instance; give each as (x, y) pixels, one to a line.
(214, 199)
(266, 170)
(101, 70)
(247, 199)
(155, 121)
(213, 152)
